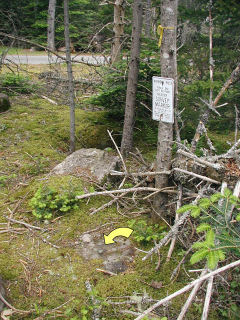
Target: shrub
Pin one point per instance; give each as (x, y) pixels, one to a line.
(220, 221)
(145, 234)
(48, 203)
(16, 83)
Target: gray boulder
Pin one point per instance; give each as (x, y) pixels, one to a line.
(4, 102)
(93, 163)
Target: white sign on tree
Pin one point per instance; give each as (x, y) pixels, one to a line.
(163, 99)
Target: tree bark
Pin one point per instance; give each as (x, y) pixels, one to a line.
(118, 29)
(51, 25)
(168, 69)
(127, 137)
(148, 14)
(70, 76)
(205, 116)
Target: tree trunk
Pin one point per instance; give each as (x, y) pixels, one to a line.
(148, 13)
(51, 25)
(70, 76)
(127, 137)
(205, 116)
(168, 69)
(118, 29)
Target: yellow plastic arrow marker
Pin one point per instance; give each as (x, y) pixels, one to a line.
(124, 232)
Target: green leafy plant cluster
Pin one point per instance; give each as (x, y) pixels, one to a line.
(220, 221)
(15, 83)
(48, 203)
(145, 234)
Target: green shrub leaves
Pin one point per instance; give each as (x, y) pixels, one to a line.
(48, 203)
(222, 236)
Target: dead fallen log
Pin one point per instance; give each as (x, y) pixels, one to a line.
(197, 175)
(215, 166)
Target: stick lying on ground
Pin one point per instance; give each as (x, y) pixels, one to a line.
(139, 174)
(216, 166)
(197, 176)
(25, 224)
(191, 297)
(102, 193)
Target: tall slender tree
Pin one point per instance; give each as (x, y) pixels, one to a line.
(51, 24)
(127, 137)
(70, 76)
(168, 60)
(148, 11)
(118, 29)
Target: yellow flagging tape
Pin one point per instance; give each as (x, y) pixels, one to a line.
(160, 30)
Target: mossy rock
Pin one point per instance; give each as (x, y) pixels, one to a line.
(4, 102)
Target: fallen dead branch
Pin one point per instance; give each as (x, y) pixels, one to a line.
(108, 204)
(174, 238)
(233, 78)
(207, 298)
(188, 287)
(25, 224)
(16, 208)
(53, 310)
(109, 192)
(12, 230)
(139, 174)
(204, 178)
(118, 151)
(216, 166)
(13, 308)
(191, 297)
(49, 100)
(107, 272)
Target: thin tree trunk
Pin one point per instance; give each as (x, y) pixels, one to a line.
(204, 118)
(127, 137)
(70, 76)
(211, 61)
(51, 25)
(168, 69)
(148, 18)
(118, 29)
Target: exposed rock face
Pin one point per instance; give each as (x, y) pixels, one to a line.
(93, 163)
(4, 102)
(115, 257)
